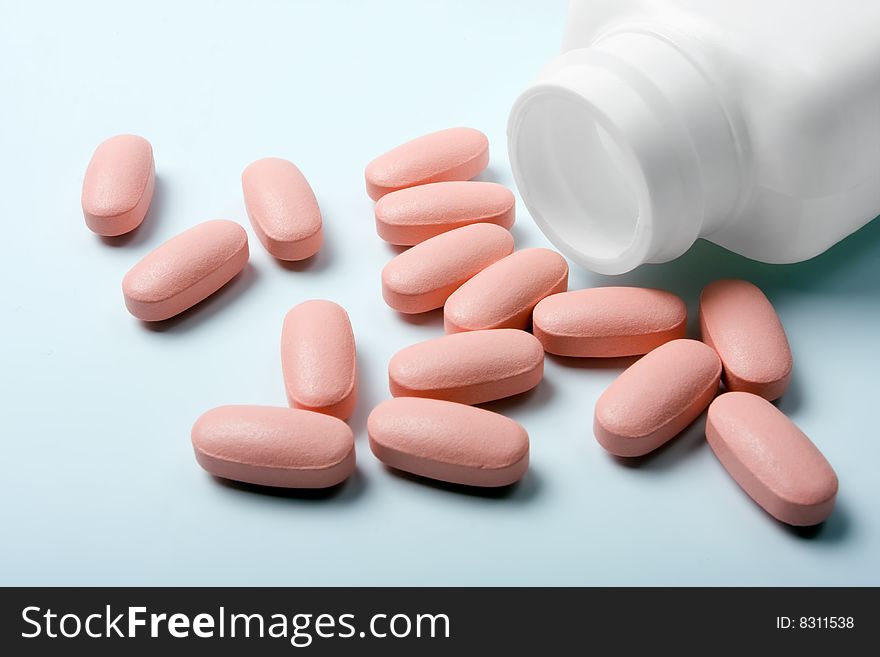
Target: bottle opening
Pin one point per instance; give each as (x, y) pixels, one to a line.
(582, 184)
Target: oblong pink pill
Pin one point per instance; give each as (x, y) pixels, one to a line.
(185, 270)
(452, 154)
(469, 368)
(738, 321)
(655, 398)
(414, 214)
(448, 441)
(771, 459)
(504, 294)
(608, 321)
(319, 359)
(423, 277)
(282, 208)
(270, 446)
(118, 185)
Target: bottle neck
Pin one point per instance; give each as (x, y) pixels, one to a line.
(623, 153)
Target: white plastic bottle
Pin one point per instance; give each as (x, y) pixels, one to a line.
(752, 123)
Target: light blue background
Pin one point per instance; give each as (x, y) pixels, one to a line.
(99, 485)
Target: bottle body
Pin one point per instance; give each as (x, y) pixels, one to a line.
(755, 125)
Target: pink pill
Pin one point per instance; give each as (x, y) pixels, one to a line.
(504, 294)
(771, 458)
(414, 214)
(423, 277)
(608, 321)
(452, 154)
(654, 399)
(185, 270)
(737, 320)
(283, 209)
(118, 185)
(469, 368)
(269, 446)
(319, 359)
(448, 441)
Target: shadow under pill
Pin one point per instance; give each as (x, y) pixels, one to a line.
(368, 398)
(793, 398)
(397, 249)
(350, 489)
(537, 397)
(619, 363)
(521, 491)
(671, 453)
(207, 308)
(834, 530)
(489, 174)
(148, 226)
(430, 318)
(316, 263)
